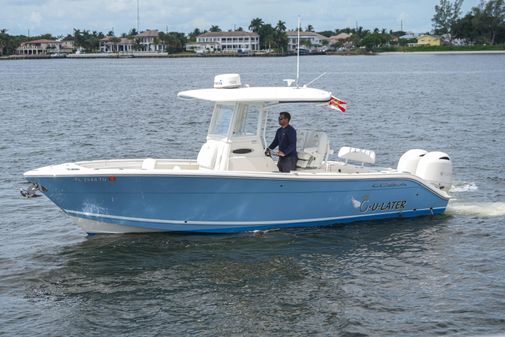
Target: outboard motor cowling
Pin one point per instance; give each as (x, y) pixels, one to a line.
(436, 168)
(409, 160)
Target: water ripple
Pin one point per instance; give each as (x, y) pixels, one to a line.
(428, 276)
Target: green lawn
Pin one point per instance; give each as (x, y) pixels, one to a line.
(442, 48)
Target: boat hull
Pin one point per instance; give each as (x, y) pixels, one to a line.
(224, 204)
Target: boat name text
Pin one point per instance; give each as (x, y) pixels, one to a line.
(366, 206)
(90, 179)
(387, 185)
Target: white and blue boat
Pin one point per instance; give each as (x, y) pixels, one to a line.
(231, 185)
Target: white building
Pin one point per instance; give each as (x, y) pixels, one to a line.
(45, 47)
(149, 40)
(110, 44)
(231, 42)
(309, 40)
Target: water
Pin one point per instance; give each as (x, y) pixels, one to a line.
(427, 276)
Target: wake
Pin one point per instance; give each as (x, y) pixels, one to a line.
(481, 209)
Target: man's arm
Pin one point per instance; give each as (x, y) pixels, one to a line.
(275, 142)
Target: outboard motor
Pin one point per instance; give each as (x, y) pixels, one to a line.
(436, 168)
(409, 160)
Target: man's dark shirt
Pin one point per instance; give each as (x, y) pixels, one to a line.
(285, 138)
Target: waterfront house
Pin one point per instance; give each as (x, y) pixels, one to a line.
(429, 40)
(149, 41)
(309, 40)
(230, 42)
(45, 47)
(342, 37)
(111, 44)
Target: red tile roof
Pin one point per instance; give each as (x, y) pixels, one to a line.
(149, 33)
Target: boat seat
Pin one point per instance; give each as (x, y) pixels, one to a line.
(214, 155)
(312, 147)
(355, 154)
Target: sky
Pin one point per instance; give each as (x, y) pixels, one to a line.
(60, 17)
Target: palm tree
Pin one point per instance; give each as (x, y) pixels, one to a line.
(281, 26)
(3, 40)
(132, 33)
(256, 25)
(194, 34)
(310, 28)
(214, 28)
(280, 36)
(266, 34)
(78, 40)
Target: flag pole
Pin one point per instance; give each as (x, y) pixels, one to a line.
(298, 55)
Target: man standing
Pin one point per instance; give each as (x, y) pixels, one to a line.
(285, 138)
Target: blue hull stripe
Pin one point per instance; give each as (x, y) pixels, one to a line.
(254, 223)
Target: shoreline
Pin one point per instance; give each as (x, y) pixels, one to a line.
(445, 52)
(131, 55)
(157, 56)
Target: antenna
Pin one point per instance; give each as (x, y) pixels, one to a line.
(138, 17)
(298, 55)
(315, 79)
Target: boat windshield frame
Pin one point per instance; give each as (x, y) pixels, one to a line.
(221, 120)
(232, 120)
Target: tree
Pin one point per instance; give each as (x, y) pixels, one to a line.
(485, 23)
(281, 26)
(306, 42)
(174, 41)
(78, 39)
(280, 37)
(4, 38)
(266, 34)
(446, 15)
(310, 28)
(464, 28)
(89, 41)
(133, 32)
(215, 28)
(137, 44)
(326, 33)
(489, 18)
(256, 25)
(192, 36)
(372, 41)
